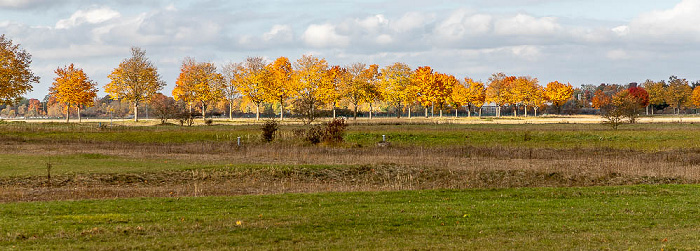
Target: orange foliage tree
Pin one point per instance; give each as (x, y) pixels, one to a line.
(199, 82)
(73, 87)
(280, 85)
(600, 99)
(558, 93)
(15, 76)
(330, 89)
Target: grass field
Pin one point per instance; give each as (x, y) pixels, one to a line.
(436, 186)
(636, 217)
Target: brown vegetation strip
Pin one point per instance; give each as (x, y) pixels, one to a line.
(269, 181)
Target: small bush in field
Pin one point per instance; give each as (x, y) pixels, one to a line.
(209, 122)
(268, 130)
(315, 134)
(334, 131)
(331, 132)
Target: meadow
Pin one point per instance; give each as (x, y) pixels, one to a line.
(436, 185)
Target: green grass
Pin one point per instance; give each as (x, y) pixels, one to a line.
(637, 137)
(17, 165)
(617, 218)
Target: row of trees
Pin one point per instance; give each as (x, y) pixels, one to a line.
(310, 84)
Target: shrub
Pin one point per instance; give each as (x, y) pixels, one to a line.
(208, 122)
(268, 130)
(314, 135)
(334, 131)
(331, 132)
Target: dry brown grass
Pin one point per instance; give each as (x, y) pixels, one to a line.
(360, 169)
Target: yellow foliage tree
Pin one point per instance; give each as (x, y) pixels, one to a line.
(656, 93)
(558, 93)
(423, 79)
(15, 76)
(695, 96)
(73, 87)
(370, 88)
(233, 75)
(254, 79)
(476, 95)
(136, 80)
(678, 93)
(199, 82)
(280, 86)
(330, 88)
(359, 88)
(310, 72)
(396, 88)
(440, 94)
(527, 92)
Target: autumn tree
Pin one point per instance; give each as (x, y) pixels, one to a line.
(135, 80)
(330, 89)
(476, 94)
(73, 88)
(558, 93)
(15, 76)
(460, 97)
(525, 92)
(163, 107)
(600, 100)
(371, 86)
(423, 79)
(441, 92)
(280, 85)
(254, 78)
(309, 73)
(199, 82)
(656, 91)
(695, 96)
(677, 93)
(356, 89)
(233, 76)
(499, 90)
(395, 85)
(640, 95)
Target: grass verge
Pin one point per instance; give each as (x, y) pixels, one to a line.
(629, 217)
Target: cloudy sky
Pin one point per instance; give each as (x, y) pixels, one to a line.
(576, 41)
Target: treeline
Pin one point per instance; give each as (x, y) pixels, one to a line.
(310, 87)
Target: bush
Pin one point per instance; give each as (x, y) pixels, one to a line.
(335, 130)
(331, 132)
(268, 130)
(208, 122)
(314, 135)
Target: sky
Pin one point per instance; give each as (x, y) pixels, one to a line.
(575, 41)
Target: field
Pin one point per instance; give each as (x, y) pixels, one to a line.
(438, 185)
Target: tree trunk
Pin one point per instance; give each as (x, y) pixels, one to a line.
(398, 111)
(204, 111)
(354, 114)
(409, 112)
(432, 110)
(535, 111)
(480, 109)
(440, 113)
(230, 110)
(426, 112)
(136, 111)
(257, 111)
(525, 111)
(67, 112)
(647, 109)
(469, 110)
(652, 110)
(80, 119)
(515, 111)
(281, 109)
(370, 111)
(456, 115)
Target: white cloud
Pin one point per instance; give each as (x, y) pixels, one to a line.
(617, 54)
(324, 36)
(279, 33)
(522, 24)
(463, 23)
(92, 16)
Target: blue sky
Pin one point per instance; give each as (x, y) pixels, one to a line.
(576, 41)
